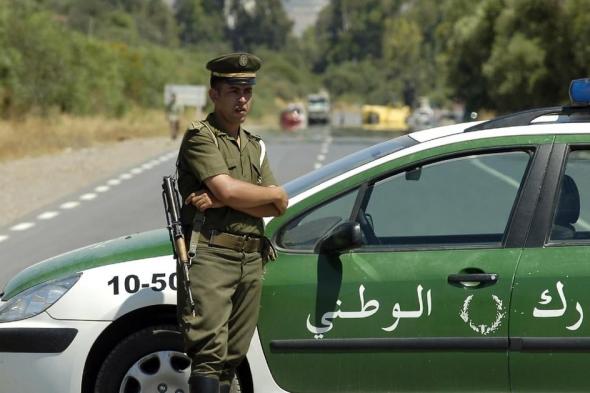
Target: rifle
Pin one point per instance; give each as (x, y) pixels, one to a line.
(172, 209)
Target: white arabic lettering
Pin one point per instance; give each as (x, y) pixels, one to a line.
(546, 299)
(327, 319)
(558, 312)
(398, 314)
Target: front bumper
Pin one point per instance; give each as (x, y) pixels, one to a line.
(42, 354)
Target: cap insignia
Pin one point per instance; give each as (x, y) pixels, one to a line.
(243, 60)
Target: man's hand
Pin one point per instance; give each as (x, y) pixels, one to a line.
(282, 199)
(203, 200)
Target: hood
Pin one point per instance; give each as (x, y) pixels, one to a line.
(126, 248)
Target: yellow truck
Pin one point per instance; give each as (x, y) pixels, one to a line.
(385, 118)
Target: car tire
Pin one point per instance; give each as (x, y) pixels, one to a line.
(149, 360)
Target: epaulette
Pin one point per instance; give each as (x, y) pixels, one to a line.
(252, 136)
(199, 126)
(196, 126)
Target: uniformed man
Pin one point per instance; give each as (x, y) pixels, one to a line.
(224, 173)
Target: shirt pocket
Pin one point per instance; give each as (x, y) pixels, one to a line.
(232, 165)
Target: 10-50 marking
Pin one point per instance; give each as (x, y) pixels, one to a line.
(132, 283)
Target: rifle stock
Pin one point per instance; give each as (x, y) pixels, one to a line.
(171, 200)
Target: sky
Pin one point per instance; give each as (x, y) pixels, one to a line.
(303, 12)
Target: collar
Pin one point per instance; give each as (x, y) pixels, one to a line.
(243, 134)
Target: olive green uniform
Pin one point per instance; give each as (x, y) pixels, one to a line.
(225, 280)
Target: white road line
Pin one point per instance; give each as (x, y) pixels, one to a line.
(317, 165)
(88, 197)
(22, 226)
(321, 157)
(47, 215)
(505, 178)
(70, 205)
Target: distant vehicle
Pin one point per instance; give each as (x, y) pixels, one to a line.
(422, 117)
(318, 108)
(293, 117)
(385, 118)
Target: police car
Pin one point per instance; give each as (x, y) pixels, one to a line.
(450, 259)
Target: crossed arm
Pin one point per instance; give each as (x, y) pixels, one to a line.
(223, 190)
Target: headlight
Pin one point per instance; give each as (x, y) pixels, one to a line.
(37, 299)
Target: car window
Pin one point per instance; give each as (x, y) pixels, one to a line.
(571, 219)
(346, 164)
(304, 232)
(462, 200)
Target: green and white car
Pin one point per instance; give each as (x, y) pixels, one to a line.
(450, 259)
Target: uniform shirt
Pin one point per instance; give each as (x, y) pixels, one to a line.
(200, 158)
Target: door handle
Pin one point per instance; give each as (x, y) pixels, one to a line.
(473, 279)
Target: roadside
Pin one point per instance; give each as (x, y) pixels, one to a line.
(45, 159)
(33, 182)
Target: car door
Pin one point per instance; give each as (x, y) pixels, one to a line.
(550, 326)
(423, 304)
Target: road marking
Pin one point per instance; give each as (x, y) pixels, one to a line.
(510, 181)
(505, 178)
(88, 197)
(47, 215)
(70, 205)
(22, 226)
(323, 152)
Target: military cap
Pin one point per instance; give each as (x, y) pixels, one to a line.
(235, 68)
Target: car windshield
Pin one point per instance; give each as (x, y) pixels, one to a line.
(345, 164)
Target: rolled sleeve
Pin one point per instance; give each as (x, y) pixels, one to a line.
(203, 157)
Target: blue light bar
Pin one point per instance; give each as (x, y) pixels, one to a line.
(580, 91)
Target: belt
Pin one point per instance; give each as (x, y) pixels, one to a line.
(243, 243)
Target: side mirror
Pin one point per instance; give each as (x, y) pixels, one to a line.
(414, 174)
(343, 237)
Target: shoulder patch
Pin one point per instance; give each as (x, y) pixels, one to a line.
(196, 126)
(252, 136)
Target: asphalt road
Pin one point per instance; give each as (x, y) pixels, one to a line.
(130, 201)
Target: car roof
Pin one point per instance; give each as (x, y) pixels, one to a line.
(566, 119)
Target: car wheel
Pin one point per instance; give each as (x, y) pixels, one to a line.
(150, 360)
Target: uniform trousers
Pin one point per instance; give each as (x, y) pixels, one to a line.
(226, 287)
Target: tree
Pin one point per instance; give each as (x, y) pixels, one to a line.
(262, 23)
(200, 21)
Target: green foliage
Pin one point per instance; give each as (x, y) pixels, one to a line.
(106, 56)
(265, 24)
(199, 21)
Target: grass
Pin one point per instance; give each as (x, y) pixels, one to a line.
(34, 136)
